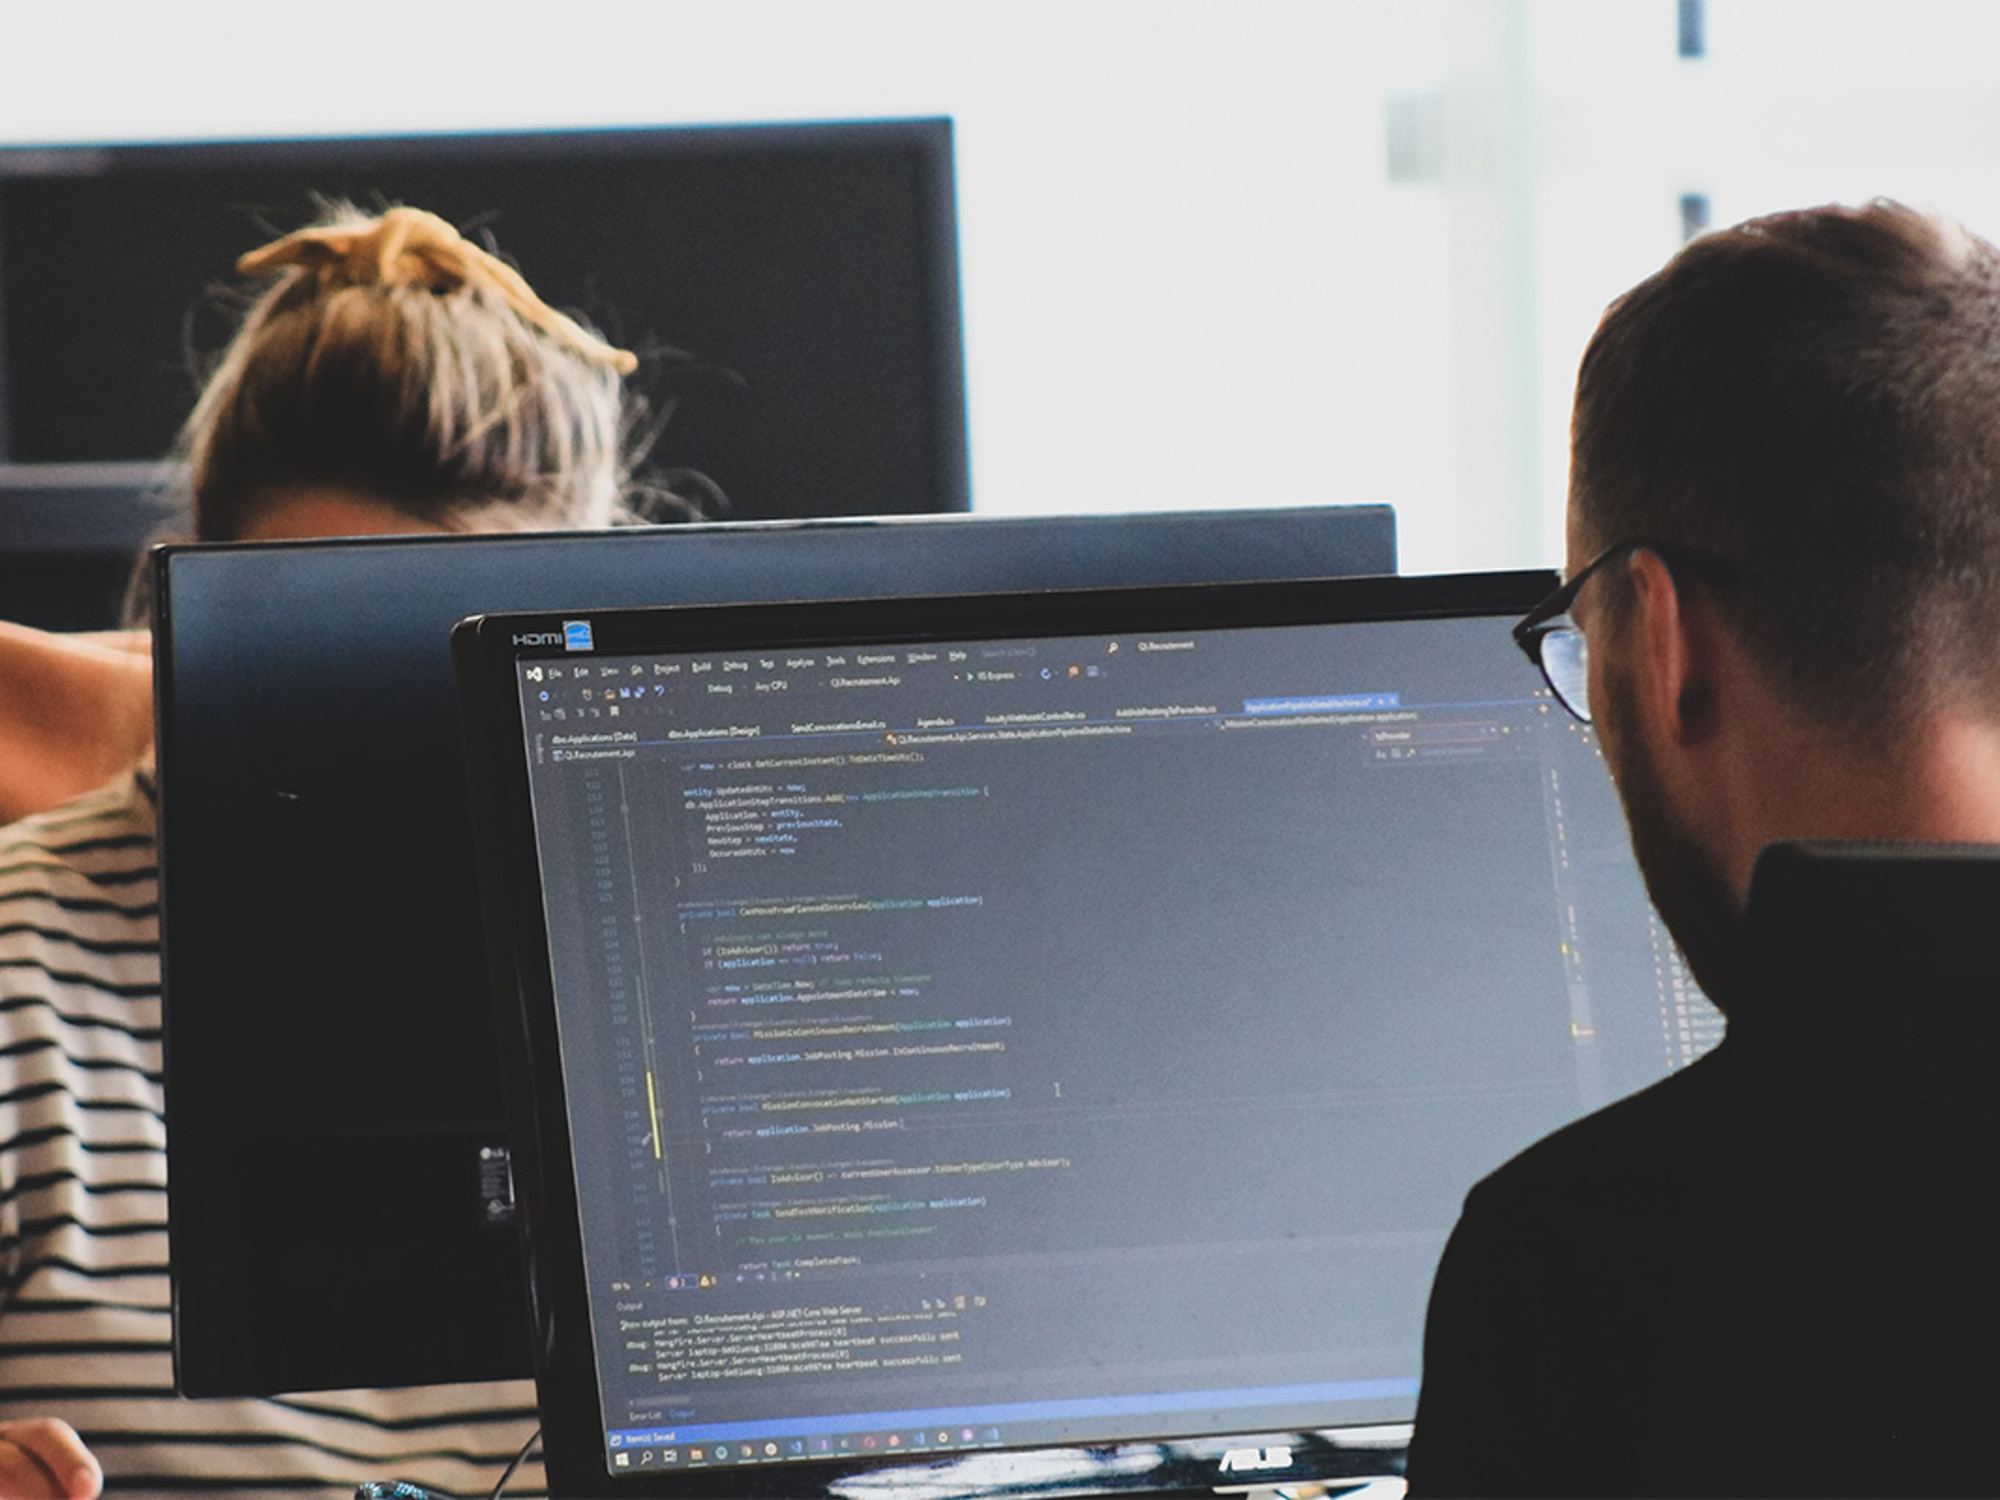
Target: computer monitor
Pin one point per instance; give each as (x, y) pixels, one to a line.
(794, 286)
(948, 1029)
(339, 1209)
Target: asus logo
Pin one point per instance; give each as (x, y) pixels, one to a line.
(1242, 1460)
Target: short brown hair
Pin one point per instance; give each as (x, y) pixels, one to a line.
(392, 359)
(1815, 396)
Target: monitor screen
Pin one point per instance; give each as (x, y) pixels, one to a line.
(340, 1213)
(793, 291)
(980, 1025)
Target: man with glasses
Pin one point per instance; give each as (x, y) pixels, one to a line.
(1783, 616)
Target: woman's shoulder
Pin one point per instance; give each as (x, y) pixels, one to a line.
(74, 711)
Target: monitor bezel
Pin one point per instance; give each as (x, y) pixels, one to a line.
(485, 657)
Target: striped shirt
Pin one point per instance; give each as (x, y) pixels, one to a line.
(85, 1328)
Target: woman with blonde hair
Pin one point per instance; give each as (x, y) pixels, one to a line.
(392, 377)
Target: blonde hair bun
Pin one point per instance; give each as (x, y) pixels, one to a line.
(388, 358)
(413, 247)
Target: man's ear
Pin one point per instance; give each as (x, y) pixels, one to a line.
(1672, 657)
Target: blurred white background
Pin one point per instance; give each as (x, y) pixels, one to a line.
(1215, 252)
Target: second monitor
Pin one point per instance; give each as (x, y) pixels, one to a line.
(339, 1213)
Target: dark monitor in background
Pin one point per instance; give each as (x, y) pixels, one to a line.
(67, 549)
(796, 285)
(948, 1027)
(339, 1208)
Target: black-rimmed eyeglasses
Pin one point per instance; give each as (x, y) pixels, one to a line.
(1552, 641)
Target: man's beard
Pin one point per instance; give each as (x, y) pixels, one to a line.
(1689, 890)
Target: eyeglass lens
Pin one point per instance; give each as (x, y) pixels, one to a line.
(1565, 662)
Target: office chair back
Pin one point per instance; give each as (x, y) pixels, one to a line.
(1844, 1336)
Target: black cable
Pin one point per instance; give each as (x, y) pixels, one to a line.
(519, 1459)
